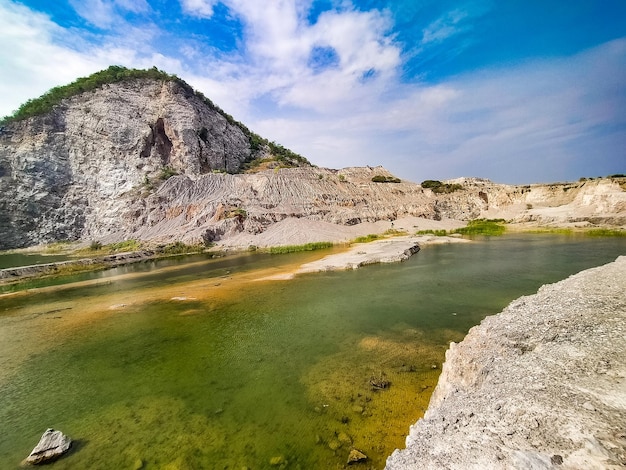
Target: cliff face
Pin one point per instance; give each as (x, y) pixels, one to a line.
(539, 386)
(66, 174)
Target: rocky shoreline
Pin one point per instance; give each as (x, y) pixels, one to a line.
(539, 386)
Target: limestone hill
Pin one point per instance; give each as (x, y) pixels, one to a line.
(139, 154)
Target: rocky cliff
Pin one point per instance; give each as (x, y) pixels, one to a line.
(541, 385)
(149, 158)
(70, 172)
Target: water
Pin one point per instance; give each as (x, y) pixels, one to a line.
(10, 260)
(193, 363)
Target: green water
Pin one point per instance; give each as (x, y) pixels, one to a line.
(191, 363)
(11, 260)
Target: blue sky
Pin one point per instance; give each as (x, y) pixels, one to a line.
(511, 90)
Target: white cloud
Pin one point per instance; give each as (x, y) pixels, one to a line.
(280, 40)
(30, 60)
(199, 8)
(107, 13)
(444, 27)
(543, 120)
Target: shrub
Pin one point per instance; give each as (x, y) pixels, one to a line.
(385, 179)
(167, 172)
(441, 188)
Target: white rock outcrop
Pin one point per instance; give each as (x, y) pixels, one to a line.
(541, 385)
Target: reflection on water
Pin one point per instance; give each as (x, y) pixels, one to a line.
(191, 364)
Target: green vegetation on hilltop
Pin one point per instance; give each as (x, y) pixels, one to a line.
(385, 179)
(54, 96)
(115, 74)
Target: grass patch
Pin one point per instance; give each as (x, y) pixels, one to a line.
(57, 247)
(593, 232)
(392, 232)
(554, 231)
(97, 248)
(179, 248)
(366, 239)
(605, 232)
(437, 233)
(492, 227)
(279, 250)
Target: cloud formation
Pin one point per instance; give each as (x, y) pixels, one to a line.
(332, 88)
(199, 8)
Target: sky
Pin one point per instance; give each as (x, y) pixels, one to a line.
(517, 91)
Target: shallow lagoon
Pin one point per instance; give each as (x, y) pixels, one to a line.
(192, 363)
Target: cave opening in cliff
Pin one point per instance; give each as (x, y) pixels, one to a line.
(161, 141)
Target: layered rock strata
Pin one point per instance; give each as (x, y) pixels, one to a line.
(541, 385)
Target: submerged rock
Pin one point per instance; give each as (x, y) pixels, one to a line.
(356, 456)
(51, 446)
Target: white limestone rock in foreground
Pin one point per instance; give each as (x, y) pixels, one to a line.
(539, 386)
(51, 446)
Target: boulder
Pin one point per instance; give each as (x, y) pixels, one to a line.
(51, 446)
(356, 456)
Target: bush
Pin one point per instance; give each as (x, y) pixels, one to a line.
(441, 188)
(95, 245)
(385, 179)
(167, 172)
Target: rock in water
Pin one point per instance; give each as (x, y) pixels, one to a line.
(356, 456)
(51, 446)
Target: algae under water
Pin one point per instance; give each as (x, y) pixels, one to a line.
(191, 363)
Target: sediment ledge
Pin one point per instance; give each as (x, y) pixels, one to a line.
(390, 250)
(19, 273)
(539, 386)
